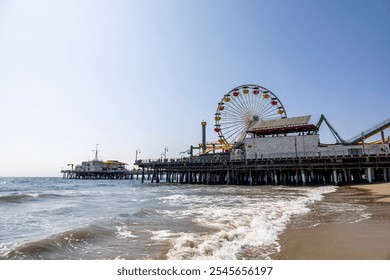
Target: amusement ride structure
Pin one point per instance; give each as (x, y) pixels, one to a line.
(254, 111)
(241, 108)
(259, 145)
(238, 110)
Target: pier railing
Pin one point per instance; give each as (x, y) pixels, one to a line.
(367, 151)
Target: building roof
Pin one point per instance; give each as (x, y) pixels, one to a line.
(282, 126)
(114, 162)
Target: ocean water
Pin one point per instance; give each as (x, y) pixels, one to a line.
(55, 218)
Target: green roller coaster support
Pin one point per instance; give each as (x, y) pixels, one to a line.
(332, 130)
(321, 120)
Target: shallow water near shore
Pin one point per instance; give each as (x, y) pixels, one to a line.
(53, 218)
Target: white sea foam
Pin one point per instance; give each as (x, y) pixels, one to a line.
(174, 199)
(123, 232)
(7, 247)
(255, 222)
(161, 235)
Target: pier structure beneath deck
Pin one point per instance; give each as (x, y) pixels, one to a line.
(280, 169)
(102, 175)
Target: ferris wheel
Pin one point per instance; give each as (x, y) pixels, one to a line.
(241, 108)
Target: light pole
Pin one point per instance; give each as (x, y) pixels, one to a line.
(165, 153)
(138, 151)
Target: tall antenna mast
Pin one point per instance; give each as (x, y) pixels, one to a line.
(96, 152)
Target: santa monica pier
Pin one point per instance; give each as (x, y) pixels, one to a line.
(259, 145)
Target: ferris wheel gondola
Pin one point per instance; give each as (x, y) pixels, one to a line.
(241, 108)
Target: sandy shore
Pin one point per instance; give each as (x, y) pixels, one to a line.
(368, 239)
(382, 189)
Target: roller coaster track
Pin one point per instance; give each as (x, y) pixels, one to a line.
(369, 132)
(359, 137)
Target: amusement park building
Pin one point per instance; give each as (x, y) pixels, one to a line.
(302, 146)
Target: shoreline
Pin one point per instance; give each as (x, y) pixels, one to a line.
(381, 189)
(367, 239)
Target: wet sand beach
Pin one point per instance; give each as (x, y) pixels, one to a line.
(382, 189)
(332, 238)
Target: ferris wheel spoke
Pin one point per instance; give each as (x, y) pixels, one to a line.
(264, 106)
(257, 104)
(230, 123)
(232, 120)
(238, 107)
(233, 110)
(268, 110)
(238, 104)
(231, 126)
(231, 137)
(262, 103)
(231, 116)
(254, 100)
(247, 97)
(244, 101)
(233, 134)
(230, 109)
(231, 105)
(242, 98)
(270, 114)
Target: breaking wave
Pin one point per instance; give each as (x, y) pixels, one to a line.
(19, 198)
(243, 228)
(67, 240)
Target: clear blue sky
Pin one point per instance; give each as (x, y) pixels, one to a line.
(143, 74)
